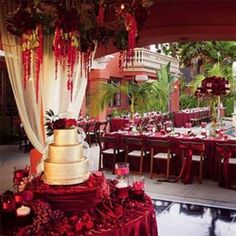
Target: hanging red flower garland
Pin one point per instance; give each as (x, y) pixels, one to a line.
(65, 52)
(76, 26)
(32, 41)
(131, 27)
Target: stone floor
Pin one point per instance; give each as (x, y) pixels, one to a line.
(182, 210)
(181, 219)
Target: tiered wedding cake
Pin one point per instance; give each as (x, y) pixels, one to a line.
(65, 164)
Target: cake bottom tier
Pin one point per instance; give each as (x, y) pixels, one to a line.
(66, 173)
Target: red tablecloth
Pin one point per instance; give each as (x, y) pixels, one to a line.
(109, 217)
(181, 118)
(210, 163)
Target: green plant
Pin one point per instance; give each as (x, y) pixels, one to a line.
(140, 96)
(164, 87)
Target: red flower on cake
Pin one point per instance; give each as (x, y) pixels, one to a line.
(64, 123)
(55, 122)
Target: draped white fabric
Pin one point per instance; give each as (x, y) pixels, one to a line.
(53, 94)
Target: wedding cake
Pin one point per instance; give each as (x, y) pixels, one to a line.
(65, 163)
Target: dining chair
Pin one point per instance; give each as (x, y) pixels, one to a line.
(91, 132)
(23, 139)
(101, 129)
(134, 147)
(226, 158)
(160, 149)
(191, 152)
(108, 146)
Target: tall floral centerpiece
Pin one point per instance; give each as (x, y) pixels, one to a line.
(77, 28)
(213, 87)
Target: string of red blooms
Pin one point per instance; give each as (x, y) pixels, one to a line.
(66, 54)
(39, 60)
(131, 27)
(26, 57)
(57, 48)
(32, 37)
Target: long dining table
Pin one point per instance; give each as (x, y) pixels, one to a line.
(186, 116)
(211, 162)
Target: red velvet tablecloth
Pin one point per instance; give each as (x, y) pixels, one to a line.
(181, 118)
(110, 216)
(211, 162)
(120, 123)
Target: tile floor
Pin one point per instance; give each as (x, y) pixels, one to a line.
(218, 217)
(180, 219)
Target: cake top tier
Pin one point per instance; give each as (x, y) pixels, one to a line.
(64, 137)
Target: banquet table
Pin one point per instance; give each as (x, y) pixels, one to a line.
(110, 216)
(183, 117)
(118, 123)
(210, 162)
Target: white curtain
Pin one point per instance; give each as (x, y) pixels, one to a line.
(53, 94)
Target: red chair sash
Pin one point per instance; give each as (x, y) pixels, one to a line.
(186, 169)
(226, 153)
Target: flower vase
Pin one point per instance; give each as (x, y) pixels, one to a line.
(214, 126)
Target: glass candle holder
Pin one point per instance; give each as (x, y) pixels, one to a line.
(122, 169)
(138, 187)
(122, 188)
(7, 201)
(18, 197)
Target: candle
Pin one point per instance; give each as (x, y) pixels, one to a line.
(122, 168)
(122, 171)
(23, 211)
(138, 185)
(122, 189)
(8, 206)
(18, 198)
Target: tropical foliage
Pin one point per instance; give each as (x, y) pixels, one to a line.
(164, 86)
(143, 97)
(206, 58)
(140, 96)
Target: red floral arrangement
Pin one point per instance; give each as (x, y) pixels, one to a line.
(213, 86)
(77, 26)
(55, 122)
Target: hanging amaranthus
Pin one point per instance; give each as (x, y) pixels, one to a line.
(32, 40)
(39, 58)
(131, 27)
(26, 56)
(65, 52)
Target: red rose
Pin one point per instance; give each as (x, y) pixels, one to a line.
(79, 226)
(70, 122)
(59, 124)
(89, 224)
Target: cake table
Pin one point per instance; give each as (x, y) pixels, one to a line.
(91, 208)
